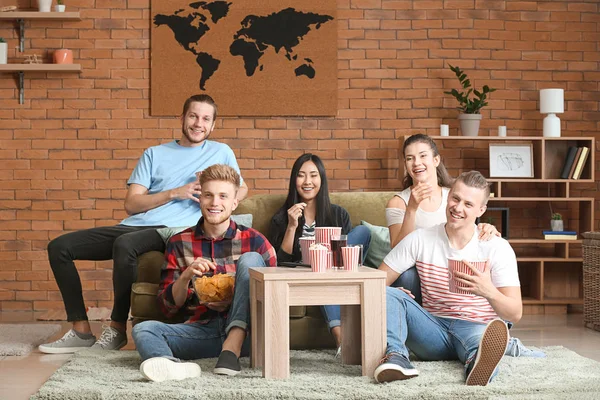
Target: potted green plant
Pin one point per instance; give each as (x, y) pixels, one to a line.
(469, 105)
(3, 51)
(556, 222)
(59, 7)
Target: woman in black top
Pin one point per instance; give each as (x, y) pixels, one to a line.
(307, 206)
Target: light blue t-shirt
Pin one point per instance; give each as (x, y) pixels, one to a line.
(169, 166)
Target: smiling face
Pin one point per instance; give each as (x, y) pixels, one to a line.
(420, 162)
(308, 181)
(217, 202)
(197, 124)
(465, 205)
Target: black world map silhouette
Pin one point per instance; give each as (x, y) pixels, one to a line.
(282, 30)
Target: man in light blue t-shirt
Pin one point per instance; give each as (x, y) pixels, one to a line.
(162, 192)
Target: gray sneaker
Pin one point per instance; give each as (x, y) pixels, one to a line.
(111, 339)
(70, 343)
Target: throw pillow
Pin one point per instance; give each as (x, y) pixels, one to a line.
(166, 233)
(380, 244)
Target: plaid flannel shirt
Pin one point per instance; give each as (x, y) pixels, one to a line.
(189, 245)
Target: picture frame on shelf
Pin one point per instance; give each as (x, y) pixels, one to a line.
(511, 160)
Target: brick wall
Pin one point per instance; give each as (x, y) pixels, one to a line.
(66, 153)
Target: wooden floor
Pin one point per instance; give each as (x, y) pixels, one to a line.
(20, 377)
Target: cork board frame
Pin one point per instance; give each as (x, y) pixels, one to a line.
(255, 58)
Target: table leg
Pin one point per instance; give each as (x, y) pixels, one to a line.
(351, 334)
(373, 325)
(256, 324)
(276, 334)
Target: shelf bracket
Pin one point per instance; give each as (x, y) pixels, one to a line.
(21, 87)
(21, 35)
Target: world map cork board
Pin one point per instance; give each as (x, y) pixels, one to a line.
(254, 57)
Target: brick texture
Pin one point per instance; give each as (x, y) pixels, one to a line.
(66, 153)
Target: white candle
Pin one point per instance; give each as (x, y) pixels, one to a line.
(444, 130)
(501, 131)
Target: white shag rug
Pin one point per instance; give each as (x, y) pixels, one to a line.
(93, 374)
(21, 339)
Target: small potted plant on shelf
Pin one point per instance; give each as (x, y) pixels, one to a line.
(3, 51)
(59, 7)
(470, 106)
(556, 223)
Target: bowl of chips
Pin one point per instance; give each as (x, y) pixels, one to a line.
(217, 288)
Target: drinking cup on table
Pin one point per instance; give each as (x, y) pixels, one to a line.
(455, 265)
(305, 243)
(337, 242)
(350, 257)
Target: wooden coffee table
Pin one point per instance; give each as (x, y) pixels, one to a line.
(361, 295)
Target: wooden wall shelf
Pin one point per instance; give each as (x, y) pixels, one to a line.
(70, 15)
(21, 16)
(40, 67)
(20, 69)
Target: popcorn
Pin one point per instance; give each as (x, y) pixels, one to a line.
(318, 246)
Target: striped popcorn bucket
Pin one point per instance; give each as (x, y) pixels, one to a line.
(323, 234)
(459, 266)
(319, 259)
(305, 243)
(350, 256)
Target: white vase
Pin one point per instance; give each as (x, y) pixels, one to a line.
(3, 53)
(60, 8)
(44, 5)
(469, 124)
(556, 225)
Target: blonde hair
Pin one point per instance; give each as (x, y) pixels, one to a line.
(474, 179)
(220, 172)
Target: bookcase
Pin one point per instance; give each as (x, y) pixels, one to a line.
(550, 271)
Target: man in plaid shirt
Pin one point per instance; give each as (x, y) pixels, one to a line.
(215, 245)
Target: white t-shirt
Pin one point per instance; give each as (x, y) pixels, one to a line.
(430, 249)
(423, 219)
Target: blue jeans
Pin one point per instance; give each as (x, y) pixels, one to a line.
(358, 235)
(410, 280)
(200, 339)
(431, 338)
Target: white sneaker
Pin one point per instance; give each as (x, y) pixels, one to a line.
(69, 343)
(159, 369)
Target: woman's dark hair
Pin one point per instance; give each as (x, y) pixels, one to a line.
(323, 217)
(443, 177)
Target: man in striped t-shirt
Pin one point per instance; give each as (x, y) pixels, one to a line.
(449, 326)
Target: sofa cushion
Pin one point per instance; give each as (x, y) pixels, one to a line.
(380, 244)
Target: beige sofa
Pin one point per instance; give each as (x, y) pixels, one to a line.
(307, 326)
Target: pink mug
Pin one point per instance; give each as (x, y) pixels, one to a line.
(63, 56)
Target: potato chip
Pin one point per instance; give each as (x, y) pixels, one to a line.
(216, 288)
